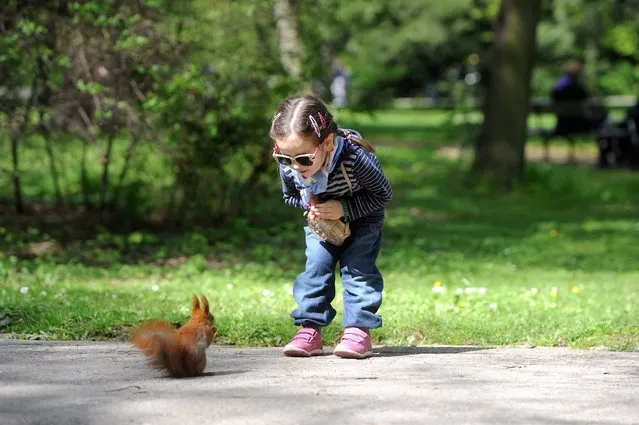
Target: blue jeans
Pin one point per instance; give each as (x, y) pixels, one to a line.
(314, 289)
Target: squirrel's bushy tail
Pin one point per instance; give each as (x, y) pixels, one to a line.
(158, 341)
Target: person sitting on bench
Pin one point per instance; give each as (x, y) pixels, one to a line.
(570, 96)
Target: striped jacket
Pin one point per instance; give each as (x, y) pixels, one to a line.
(371, 190)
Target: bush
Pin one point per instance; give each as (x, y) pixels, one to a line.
(144, 99)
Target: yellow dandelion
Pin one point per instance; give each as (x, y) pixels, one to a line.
(462, 304)
(437, 284)
(553, 233)
(554, 292)
(575, 289)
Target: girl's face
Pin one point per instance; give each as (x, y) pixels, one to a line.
(293, 146)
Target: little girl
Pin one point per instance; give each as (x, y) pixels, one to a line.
(333, 174)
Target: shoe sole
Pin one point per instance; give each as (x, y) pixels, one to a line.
(298, 352)
(345, 353)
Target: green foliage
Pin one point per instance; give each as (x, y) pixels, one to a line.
(195, 82)
(389, 46)
(118, 75)
(602, 33)
(398, 48)
(552, 263)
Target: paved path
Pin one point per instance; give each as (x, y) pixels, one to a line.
(107, 383)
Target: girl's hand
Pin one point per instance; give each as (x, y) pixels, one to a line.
(329, 210)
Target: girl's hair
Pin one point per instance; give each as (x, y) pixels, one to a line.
(308, 117)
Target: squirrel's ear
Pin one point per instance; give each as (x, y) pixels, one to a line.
(196, 303)
(205, 303)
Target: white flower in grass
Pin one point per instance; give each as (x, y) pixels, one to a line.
(481, 291)
(533, 291)
(470, 290)
(459, 291)
(438, 289)
(492, 306)
(24, 290)
(267, 293)
(155, 288)
(229, 286)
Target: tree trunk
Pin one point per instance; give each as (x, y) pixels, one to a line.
(104, 181)
(499, 151)
(18, 133)
(289, 39)
(84, 177)
(15, 175)
(59, 200)
(128, 156)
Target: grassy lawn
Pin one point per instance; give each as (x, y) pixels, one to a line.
(552, 264)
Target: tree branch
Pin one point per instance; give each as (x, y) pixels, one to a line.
(87, 71)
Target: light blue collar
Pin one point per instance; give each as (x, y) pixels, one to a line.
(318, 182)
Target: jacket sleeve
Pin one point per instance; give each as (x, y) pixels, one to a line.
(376, 191)
(291, 194)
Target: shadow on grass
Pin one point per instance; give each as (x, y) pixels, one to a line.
(412, 351)
(563, 216)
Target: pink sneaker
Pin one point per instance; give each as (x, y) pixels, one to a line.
(355, 344)
(306, 342)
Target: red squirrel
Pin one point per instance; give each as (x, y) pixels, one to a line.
(181, 352)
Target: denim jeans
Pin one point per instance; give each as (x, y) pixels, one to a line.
(314, 289)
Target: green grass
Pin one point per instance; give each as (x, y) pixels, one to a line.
(553, 264)
(434, 127)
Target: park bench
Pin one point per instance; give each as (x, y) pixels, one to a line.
(592, 110)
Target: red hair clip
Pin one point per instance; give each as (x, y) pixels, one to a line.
(315, 126)
(321, 117)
